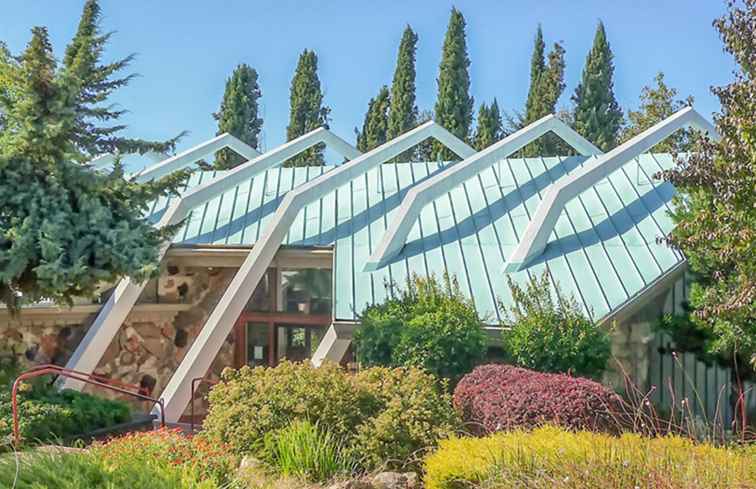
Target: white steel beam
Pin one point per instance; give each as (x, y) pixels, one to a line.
(207, 344)
(539, 229)
(113, 313)
(192, 155)
(426, 192)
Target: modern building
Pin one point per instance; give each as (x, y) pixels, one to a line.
(273, 262)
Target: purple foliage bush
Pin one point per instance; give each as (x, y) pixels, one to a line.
(501, 397)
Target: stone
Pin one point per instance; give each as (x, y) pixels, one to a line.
(126, 358)
(395, 480)
(154, 346)
(13, 335)
(132, 344)
(168, 331)
(147, 330)
(250, 463)
(48, 344)
(352, 484)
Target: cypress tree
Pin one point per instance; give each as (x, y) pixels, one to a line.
(307, 111)
(424, 150)
(489, 128)
(402, 114)
(598, 116)
(238, 114)
(454, 104)
(375, 127)
(97, 124)
(64, 229)
(537, 67)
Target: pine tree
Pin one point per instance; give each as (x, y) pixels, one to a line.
(454, 104)
(403, 112)
(64, 228)
(598, 116)
(307, 111)
(97, 123)
(238, 114)
(656, 104)
(489, 128)
(375, 127)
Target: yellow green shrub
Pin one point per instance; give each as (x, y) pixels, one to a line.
(549, 457)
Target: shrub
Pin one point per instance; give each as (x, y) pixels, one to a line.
(304, 450)
(378, 414)
(48, 414)
(409, 412)
(554, 458)
(429, 325)
(550, 336)
(169, 447)
(86, 470)
(496, 397)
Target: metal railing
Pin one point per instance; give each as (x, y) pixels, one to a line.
(88, 378)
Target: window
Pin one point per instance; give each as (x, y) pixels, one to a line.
(306, 291)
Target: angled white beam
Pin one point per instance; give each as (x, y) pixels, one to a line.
(113, 313)
(102, 161)
(192, 155)
(205, 347)
(424, 193)
(539, 229)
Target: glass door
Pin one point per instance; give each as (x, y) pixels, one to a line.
(296, 342)
(258, 347)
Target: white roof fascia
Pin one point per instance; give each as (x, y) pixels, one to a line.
(192, 155)
(217, 327)
(426, 192)
(542, 224)
(114, 312)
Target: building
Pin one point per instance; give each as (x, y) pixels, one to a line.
(275, 262)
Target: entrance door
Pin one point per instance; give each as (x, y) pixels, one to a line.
(258, 344)
(266, 339)
(297, 343)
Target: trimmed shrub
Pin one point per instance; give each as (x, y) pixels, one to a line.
(430, 324)
(170, 447)
(380, 414)
(408, 413)
(304, 450)
(502, 397)
(553, 336)
(555, 458)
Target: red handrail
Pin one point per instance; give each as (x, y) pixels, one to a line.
(88, 378)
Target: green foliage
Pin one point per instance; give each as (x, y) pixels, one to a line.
(715, 214)
(550, 336)
(375, 128)
(550, 457)
(598, 116)
(454, 104)
(306, 451)
(96, 83)
(402, 115)
(307, 111)
(489, 128)
(239, 114)
(429, 324)
(377, 415)
(64, 228)
(47, 414)
(410, 412)
(72, 470)
(656, 104)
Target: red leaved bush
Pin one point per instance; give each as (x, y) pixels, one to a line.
(500, 397)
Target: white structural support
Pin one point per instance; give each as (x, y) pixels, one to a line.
(542, 224)
(192, 155)
(113, 313)
(205, 347)
(105, 160)
(426, 192)
(334, 344)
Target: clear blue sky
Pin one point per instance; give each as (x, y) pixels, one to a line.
(186, 49)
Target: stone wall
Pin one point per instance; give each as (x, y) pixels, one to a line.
(150, 344)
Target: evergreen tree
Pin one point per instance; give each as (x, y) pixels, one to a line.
(424, 150)
(598, 116)
(489, 128)
(97, 127)
(375, 128)
(307, 111)
(403, 111)
(656, 104)
(454, 104)
(537, 67)
(64, 229)
(238, 114)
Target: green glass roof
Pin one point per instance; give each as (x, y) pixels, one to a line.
(603, 250)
